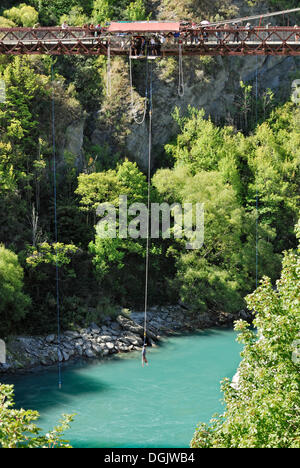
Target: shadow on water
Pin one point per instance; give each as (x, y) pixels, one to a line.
(41, 387)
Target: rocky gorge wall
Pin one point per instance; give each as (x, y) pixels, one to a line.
(210, 83)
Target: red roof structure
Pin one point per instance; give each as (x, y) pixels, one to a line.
(143, 27)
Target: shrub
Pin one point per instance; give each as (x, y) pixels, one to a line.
(13, 302)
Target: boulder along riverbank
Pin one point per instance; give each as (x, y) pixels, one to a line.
(121, 334)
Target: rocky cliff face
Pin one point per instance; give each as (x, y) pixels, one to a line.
(212, 85)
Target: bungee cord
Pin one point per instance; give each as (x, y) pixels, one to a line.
(56, 231)
(134, 116)
(181, 79)
(144, 359)
(108, 72)
(257, 195)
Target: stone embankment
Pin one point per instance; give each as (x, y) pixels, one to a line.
(120, 335)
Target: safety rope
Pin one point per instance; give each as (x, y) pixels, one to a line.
(142, 120)
(148, 206)
(180, 66)
(108, 72)
(257, 213)
(56, 231)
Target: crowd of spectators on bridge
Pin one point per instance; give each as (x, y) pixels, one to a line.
(191, 34)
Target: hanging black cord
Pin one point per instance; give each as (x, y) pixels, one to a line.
(56, 230)
(256, 230)
(148, 205)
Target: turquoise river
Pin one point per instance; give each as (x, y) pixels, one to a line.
(120, 404)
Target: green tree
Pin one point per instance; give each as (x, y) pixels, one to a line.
(136, 11)
(6, 23)
(23, 15)
(263, 164)
(40, 268)
(13, 302)
(120, 260)
(262, 410)
(51, 11)
(103, 10)
(217, 276)
(109, 10)
(274, 163)
(18, 428)
(75, 17)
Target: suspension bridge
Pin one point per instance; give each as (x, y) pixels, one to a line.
(227, 38)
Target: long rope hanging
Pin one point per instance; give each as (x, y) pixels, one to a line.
(142, 120)
(257, 195)
(108, 72)
(56, 231)
(148, 219)
(181, 79)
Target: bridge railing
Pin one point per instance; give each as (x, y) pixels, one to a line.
(43, 34)
(242, 34)
(189, 36)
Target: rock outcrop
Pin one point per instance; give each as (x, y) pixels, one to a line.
(122, 335)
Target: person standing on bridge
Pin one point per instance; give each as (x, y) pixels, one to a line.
(143, 46)
(98, 30)
(194, 37)
(219, 35)
(249, 27)
(64, 27)
(92, 29)
(162, 39)
(133, 47)
(236, 36)
(153, 50)
(176, 37)
(157, 45)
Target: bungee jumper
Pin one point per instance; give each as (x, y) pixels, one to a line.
(144, 357)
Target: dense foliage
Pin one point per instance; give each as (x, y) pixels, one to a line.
(262, 410)
(13, 302)
(75, 12)
(18, 428)
(218, 165)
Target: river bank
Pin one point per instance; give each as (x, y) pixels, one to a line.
(121, 334)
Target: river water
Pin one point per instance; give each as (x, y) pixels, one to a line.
(120, 404)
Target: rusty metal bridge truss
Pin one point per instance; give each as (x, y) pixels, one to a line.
(201, 41)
